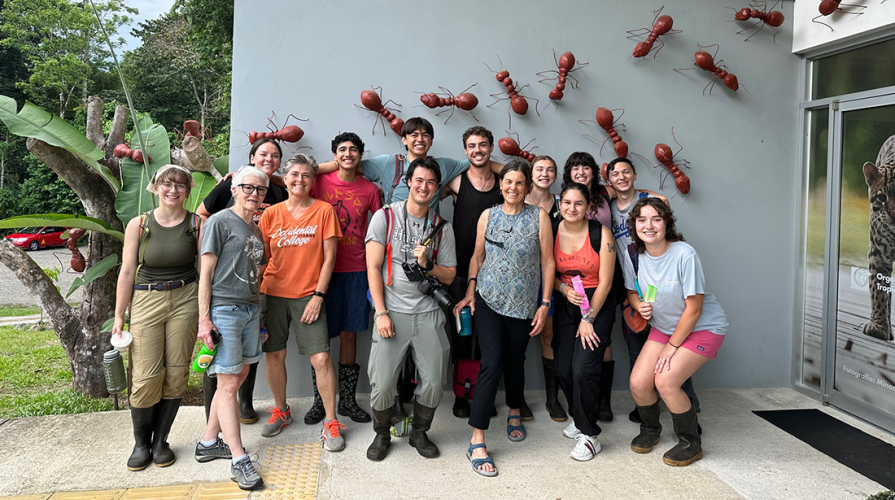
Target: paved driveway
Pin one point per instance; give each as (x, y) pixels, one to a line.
(13, 292)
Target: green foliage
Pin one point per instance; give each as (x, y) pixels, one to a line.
(204, 184)
(883, 495)
(65, 220)
(44, 191)
(61, 45)
(94, 273)
(32, 121)
(134, 200)
(61, 402)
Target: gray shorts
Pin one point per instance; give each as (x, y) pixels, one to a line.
(281, 316)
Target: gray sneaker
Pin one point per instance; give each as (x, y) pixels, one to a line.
(219, 449)
(332, 439)
(243, 472)
(278, 419)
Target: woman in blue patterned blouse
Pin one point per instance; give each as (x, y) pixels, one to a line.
(513, 259)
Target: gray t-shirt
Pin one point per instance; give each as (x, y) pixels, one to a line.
(621, 231)
(677, 274)
(240, 251)
(403, 296)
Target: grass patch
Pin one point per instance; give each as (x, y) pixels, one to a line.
(35, 378)
(8, 311)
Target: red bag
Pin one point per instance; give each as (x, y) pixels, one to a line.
(466, 372)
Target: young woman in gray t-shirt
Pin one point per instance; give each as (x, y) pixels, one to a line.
(668, 289)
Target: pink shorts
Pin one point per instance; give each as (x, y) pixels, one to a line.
(702, 342)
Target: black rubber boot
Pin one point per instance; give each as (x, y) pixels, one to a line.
(650, 429)
(604, 414)
(381, 424)
(689, 446)
(317, 412)
(166, 410)
(398, 413)
(634, 416)
(525, 412)
(348, 407)
(143, 424)
(551, 383)
(245, 394)
(422, 421)
(209, 387)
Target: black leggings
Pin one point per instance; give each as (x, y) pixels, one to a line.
(503, 341)
(579, 369)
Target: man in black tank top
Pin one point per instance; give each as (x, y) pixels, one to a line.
(474, 191)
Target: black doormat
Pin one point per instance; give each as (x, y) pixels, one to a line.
(871, 457)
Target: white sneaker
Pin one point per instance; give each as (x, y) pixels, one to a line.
(586, 449)
(571, 431)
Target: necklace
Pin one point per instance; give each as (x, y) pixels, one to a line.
(484, 182)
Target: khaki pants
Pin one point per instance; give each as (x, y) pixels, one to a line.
(424, 335)
(164, 325)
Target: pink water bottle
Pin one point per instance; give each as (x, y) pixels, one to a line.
(578, 286)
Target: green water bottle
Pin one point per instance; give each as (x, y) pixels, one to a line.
(206, 356)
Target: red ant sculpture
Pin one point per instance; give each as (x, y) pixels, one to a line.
(289, 133)
(464, 100)
(606, 121)
(774, 18)
(518, 103)
(564, 66)
(373, 101)
(123, 151)
(666, 158)
(661, 26)
(706, 61)
(510, 146)
(828, 7)
(77, 258)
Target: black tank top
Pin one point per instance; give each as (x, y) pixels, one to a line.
(468, 207)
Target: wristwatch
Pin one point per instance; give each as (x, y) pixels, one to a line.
(429, 265)
(380, 313)
(318, 294)
(545, 303)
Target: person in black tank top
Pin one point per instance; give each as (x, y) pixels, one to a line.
(474, 191)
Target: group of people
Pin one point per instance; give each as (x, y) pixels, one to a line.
(299, 254)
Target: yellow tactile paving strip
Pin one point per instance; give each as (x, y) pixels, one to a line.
(184, 492)
(88, 495)
(290, 471)
(220, 491)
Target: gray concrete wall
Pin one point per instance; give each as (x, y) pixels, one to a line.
(314, 58)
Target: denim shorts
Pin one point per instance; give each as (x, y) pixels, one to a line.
(240, 338)
(347, 309)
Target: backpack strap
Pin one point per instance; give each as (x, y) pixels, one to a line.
(435, 221)
(390, 227)
(399, 173)
(595, 232)
(142, 236)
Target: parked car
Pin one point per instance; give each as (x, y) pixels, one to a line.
(34, 238)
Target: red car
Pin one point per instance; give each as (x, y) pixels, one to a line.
(34, 238)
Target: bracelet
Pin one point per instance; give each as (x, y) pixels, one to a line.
(380, 313)
(562, 288)
(675, 346)
(588, 319)
(473, 279)
(318, 294)
(545, 303)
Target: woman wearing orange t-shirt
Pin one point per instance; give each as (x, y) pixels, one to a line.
(300, 238)
(582, 323)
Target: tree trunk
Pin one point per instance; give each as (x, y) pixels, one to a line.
(79, 331)
(199, 159)
(95, 121)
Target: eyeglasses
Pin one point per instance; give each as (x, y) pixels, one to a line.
(249, 189)
(170, 185)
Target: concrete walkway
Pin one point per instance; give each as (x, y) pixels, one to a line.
(745, 457)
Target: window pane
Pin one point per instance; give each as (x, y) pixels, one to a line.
(867, 68)
(815, 229)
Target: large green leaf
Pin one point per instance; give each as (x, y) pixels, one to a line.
(94, 273)
(133, 199)
(64, 220)
(222, 164)
(32, 121)
(204, 184)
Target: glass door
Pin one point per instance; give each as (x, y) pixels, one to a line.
(860, 367)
